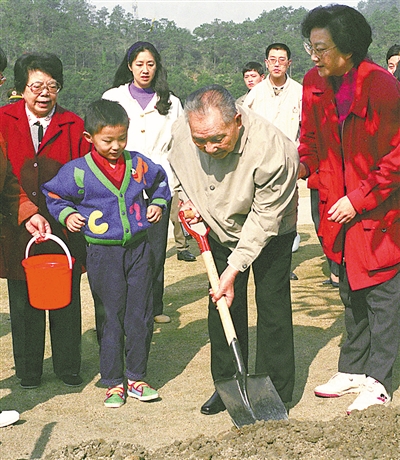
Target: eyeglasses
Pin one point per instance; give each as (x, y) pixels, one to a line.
(280, 61)
(52, 86)
(319, 53)
(2, 78)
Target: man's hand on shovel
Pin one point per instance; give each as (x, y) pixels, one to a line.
(190, 212)
(190, 216)
(226, 289)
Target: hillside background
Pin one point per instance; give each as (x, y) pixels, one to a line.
(91, 43)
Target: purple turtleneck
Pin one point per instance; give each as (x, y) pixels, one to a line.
(142, 95)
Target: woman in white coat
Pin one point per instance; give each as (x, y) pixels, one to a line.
(140, 86)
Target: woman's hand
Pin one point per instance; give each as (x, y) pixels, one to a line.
(302, 171)
(154, 214)
(38, 226)
(75, 222)
(342, 211)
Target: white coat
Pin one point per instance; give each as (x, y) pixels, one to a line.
(149, 132)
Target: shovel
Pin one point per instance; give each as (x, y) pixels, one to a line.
(247, 398)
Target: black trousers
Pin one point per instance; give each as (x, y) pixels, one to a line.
(275, 349)
(158, 236)
(314, 197)
(28, 326)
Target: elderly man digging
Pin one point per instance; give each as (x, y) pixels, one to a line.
(239, 174)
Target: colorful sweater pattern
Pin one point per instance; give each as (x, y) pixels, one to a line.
(113, 216)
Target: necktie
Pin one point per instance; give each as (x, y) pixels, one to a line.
(37, 134)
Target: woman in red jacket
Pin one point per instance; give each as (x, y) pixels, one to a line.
(38, 137)
(350, 132)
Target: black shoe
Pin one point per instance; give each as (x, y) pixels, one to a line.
(293, 276)
(186, 256)
(72, 380)
(213, 405)
(30, 384)
(329, 282)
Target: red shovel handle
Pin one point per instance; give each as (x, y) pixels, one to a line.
(202, 240)
(212, 273)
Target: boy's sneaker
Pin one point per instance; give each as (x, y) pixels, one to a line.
(372, 393)
(141, 390)
(115, 397)
(341, 384)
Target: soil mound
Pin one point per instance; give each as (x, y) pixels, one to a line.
(370, 434)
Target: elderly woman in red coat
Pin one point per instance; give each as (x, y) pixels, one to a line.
(350, 132)
(38, 137)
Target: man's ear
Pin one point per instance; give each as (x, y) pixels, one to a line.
(88, 136)
(238, 119)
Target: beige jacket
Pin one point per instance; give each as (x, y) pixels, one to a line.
(249, 196)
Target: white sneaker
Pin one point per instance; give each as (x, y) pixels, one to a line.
(8, 417)
(341, 384)
(372, 393)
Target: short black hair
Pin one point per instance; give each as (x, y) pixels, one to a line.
(253, 65)
(394, 50)
(3, 60)
(45, 62)
(278, 46)
(349, 30)
(102, 113)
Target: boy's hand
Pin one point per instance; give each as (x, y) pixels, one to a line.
(154, 214)
(75, 222)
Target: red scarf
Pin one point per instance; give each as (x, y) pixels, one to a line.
(114, 173)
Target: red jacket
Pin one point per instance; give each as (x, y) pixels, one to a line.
(62, 142)
(364, 165)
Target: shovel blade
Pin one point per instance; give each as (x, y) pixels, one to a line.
(260, 401)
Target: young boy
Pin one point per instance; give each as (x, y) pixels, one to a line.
(101, 195)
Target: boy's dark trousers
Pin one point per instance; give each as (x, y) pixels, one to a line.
(121, 279)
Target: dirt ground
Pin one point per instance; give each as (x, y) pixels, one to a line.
(58, 422)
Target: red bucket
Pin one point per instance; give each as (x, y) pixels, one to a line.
(49, 277)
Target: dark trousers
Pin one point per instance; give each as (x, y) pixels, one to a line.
(314, 197)
(158, 235)
(121, 278)
(28, 326)
(179, 237)
(372, 317)
(275, 349)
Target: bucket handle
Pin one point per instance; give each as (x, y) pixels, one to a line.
(50, 236)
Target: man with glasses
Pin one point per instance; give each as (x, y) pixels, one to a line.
(278, 99)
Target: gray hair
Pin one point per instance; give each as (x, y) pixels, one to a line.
(212, 96)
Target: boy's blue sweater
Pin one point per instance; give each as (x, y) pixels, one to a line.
(113, 216)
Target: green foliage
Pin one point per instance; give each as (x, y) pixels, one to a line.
(92, 42)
